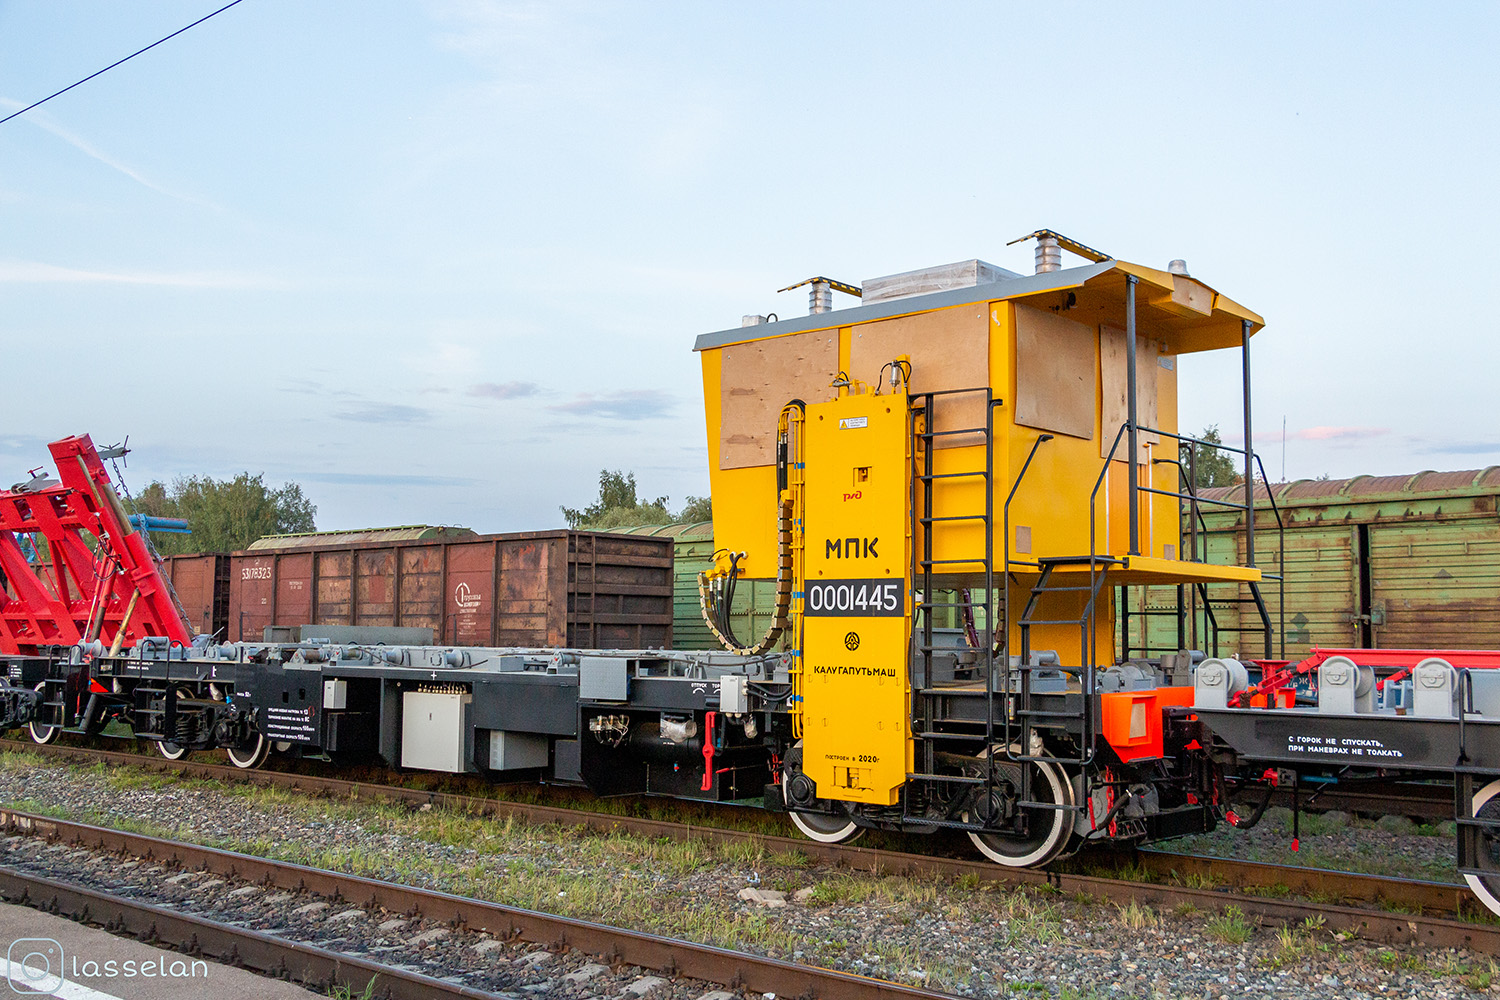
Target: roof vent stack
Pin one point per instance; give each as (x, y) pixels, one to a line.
(1178, 266)
(1048, 254)
(819, 298)
(1049, 248)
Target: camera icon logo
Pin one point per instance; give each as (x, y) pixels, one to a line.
(34, 965)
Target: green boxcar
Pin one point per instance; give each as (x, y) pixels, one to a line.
(1395, 562)
(693, 552)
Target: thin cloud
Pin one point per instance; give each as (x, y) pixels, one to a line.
(35, 272)
(383, 413)
(22, 442)
(1462, 448)
(628, 404)
(90, 150)
(377, 479)
(504, 390)
(1338, 433)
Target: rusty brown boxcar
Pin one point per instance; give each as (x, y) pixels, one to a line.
(544, 588)
(201, 583)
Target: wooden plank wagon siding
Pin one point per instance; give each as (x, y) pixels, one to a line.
(1437, 584)
(1409, 561)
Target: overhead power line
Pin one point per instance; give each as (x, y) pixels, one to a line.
(120, 62)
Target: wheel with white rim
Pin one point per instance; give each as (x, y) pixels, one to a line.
(1486, 805)
(168, 749)
(41, 733)
(822, 827)
(252, 754)
(1048, 825)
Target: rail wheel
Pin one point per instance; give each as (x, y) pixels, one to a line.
(168, 749)
(41, 733)
(823, 828)
(1486, 805)
(1047, 828)
(251, 755)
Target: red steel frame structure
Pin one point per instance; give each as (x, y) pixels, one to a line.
(111, 591)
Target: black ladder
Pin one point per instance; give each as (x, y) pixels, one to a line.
(925, 566)
(1023, 715)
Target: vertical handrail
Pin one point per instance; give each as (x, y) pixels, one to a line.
(1005, 581)
(1249, 449)
(925, 448)
(1280, 559)
(989, 589)
(1132, 418)
(1020, 477)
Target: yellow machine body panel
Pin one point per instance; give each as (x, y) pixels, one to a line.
(856, 599)
(1051, 350)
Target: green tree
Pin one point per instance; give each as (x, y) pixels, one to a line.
(1213, 467)
(225, 515)
(697, 509)
(618, 506)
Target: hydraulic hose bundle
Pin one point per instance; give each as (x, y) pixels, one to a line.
(716, 585)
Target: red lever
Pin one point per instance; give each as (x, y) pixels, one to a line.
(708, 750)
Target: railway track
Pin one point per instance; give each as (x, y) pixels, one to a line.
(308, 965)
(1417, 912)
(319, 967)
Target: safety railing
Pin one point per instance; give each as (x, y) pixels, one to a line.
(1189, 496)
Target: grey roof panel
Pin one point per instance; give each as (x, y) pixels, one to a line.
(1006, 288)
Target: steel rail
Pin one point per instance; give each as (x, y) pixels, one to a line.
(649, 951)
(197, 936)
(1236, 881)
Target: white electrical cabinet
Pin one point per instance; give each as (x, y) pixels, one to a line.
(433, 725)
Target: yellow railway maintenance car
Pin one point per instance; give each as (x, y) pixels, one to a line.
(998, 452)
(960, 489)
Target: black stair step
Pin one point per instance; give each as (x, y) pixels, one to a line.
(1076, 560)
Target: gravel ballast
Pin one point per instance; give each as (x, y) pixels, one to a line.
(393, 940)
(975, 940)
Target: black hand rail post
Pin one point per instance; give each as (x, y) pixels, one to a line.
(1133, 416)
(1249, 449)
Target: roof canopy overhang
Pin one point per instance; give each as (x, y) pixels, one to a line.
(1183, 312)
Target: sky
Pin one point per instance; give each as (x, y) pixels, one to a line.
(444, 262)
